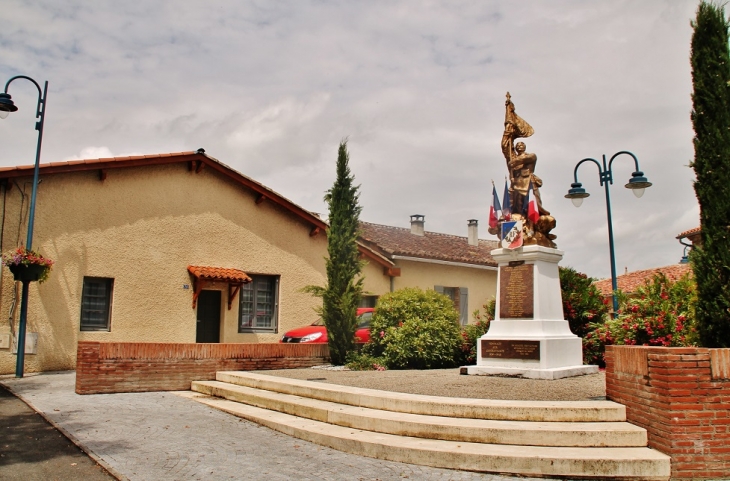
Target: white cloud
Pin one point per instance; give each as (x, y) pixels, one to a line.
(271, 88)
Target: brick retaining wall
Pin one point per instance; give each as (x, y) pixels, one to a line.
(110, 367)
(682, 397)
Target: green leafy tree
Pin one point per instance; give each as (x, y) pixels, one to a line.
(711, 120)
(582, 302)
(344, 281)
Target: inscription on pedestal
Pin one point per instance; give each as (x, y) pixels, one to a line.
(516, 291)
(510, 349)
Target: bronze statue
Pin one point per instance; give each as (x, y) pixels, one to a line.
(521, 167)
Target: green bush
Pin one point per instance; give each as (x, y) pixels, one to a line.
(660, 313)
(414, 329)
(472, 332)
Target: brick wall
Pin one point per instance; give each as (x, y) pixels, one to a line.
(110, 367)
(682, 397)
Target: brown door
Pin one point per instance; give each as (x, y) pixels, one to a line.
(209, 317)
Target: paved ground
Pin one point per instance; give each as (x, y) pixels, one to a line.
(31, 449)
(162, 436)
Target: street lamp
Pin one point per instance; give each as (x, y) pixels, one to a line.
(577, 193)
(6, 107)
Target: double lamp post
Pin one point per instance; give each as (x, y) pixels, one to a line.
(577, 193)
(6, 107)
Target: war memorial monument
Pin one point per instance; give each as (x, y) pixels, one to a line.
(529, 336)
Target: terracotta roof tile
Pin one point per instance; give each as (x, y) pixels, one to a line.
(689, 233)
(628, 283)
(220, 274)
(399, 241)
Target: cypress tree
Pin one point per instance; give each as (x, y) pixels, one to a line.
(344, 282)
(711, 120)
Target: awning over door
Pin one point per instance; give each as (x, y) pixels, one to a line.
(204, 276)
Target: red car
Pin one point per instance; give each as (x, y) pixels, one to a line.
(317, 333)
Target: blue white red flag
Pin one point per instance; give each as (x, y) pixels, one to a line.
(529, 206)
(532, 211)
(495, 211)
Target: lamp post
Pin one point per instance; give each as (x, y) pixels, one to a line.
(577, 193)
(6, 107)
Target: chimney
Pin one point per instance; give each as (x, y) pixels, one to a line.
(473, 232)
(417, 221)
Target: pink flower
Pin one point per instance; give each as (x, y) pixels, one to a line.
(382, 334)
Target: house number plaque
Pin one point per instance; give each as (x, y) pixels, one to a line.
(516, 292)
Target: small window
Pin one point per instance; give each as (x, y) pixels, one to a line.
(96, 301)
(460, 297)
(368, 300)
(259, 302)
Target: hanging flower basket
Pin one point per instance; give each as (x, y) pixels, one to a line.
(27, 265)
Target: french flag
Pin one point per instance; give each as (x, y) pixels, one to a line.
(530, 209)
(506, 207)
(495, 210)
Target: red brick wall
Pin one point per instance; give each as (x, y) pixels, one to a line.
(682, 397)
(110, 367)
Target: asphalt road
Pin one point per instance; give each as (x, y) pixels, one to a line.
(32, 449)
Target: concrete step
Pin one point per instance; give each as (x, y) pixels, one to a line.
(562, 462)
(541, 411)
(526, 433)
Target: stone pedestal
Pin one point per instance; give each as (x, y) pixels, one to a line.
(529, 336)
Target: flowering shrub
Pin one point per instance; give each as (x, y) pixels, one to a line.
(582, 302)
(26, 257)
(472, 332)
(659, 313)
(414, 329)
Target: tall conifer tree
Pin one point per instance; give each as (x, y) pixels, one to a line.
(344, 282)
(711, 120)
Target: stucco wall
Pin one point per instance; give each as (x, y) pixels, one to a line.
(143, 227)
(482, 283)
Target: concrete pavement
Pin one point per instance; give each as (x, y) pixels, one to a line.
(164, 436)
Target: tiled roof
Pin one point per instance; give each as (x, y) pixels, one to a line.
(399, 241)
(196, 159)
(629, 282)
(689, 233)
(219, 274)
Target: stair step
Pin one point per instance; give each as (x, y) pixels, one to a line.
(533, 433)
(541, 411)
(577, 462)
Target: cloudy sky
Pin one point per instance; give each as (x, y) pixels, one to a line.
(271, 87)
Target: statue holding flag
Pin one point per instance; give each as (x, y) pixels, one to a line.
(526, 210)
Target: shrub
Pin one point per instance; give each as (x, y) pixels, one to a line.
(414, 329)
(583, 304)
(364, 362)
(660, 313)
(472, 332)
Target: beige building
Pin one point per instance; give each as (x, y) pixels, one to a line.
(178, 248)
(460, 267)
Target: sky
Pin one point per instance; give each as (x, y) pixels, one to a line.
(417, 88)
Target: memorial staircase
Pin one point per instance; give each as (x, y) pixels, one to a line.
(576, 439)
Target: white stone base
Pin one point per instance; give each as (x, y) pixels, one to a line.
(532, 373)
(561, 351)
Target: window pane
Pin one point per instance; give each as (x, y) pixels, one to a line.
(95, 302)
(258, 304)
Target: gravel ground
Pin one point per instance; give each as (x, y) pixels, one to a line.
(448, 382)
